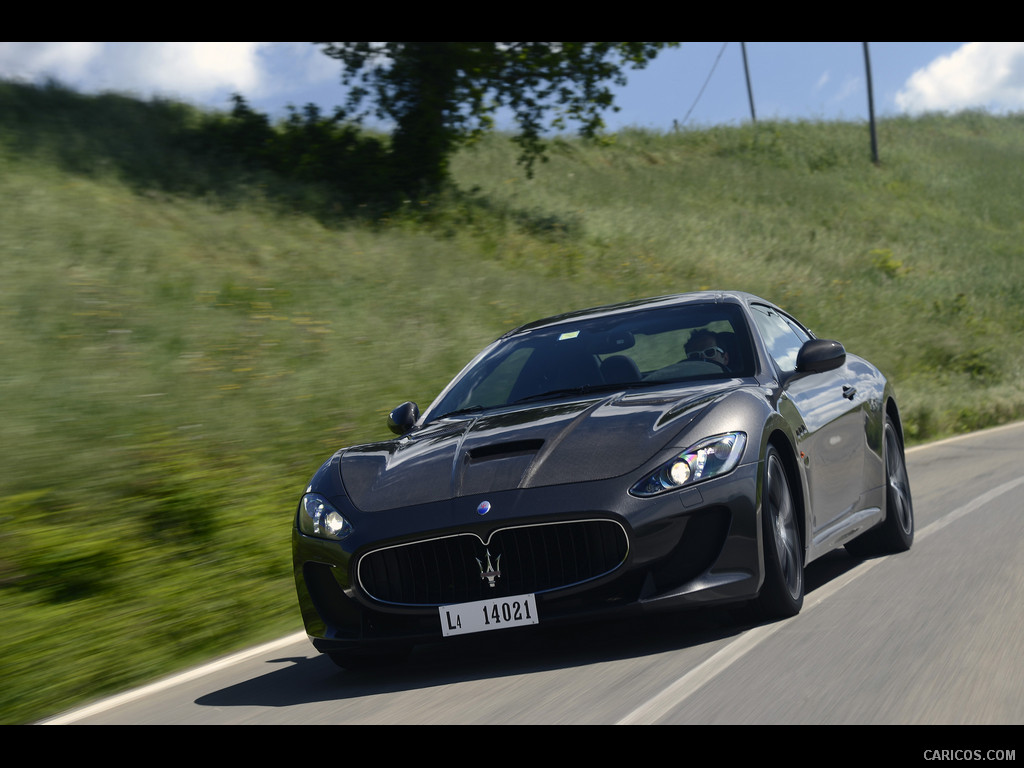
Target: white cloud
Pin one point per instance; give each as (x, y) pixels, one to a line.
(180, 69)
(985, 75)
(851, 86)
(192, 71)
(29, 61)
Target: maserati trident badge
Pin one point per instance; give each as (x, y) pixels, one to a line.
(490, 572)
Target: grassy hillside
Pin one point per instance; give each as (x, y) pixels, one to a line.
(185, 338)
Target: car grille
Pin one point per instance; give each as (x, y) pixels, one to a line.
(527, 559)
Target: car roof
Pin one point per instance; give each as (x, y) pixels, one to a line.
(677, 299)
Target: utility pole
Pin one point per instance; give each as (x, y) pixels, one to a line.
(871, 107)
(750, 92)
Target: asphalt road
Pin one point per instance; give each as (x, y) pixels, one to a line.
(931, 636)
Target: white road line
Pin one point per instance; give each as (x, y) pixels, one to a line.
(170, 682)
(687, 685)
(965, 436)
(969, 507)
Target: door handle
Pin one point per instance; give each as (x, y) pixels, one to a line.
(849, 392)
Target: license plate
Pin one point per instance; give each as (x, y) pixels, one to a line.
(485, 615)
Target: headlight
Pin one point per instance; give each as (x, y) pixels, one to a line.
(318, 517)
(709, 458)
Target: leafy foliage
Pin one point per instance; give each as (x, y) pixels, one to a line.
(442, 94)
(308, 147)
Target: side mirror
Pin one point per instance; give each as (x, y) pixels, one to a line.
(402, 419)
(820, 355)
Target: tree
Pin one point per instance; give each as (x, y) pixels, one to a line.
(440, 95)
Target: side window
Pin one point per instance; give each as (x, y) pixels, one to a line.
(782, 337)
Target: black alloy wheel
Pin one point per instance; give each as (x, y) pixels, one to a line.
(782, 594)
(896, 532)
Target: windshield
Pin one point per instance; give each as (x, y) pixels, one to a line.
(634, 350)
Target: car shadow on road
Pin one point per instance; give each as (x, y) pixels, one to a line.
(309, 679)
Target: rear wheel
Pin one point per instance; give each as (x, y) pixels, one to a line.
(896, 532)
(782, 594)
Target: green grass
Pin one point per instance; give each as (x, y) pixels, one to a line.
(184, 339)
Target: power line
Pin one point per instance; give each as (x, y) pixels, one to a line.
(706, 81)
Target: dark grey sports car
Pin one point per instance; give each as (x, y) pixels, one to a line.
(659, 454)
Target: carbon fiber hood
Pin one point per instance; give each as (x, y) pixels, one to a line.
(549, 444)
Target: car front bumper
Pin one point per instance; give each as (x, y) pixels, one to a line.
(693, 547)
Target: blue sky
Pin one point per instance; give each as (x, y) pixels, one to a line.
(698, 84)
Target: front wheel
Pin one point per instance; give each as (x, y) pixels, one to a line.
(782, 594)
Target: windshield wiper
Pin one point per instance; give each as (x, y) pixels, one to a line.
(459, 412)
(586, 389)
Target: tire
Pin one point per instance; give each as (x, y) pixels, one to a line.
(782, 593)
(896, 532)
